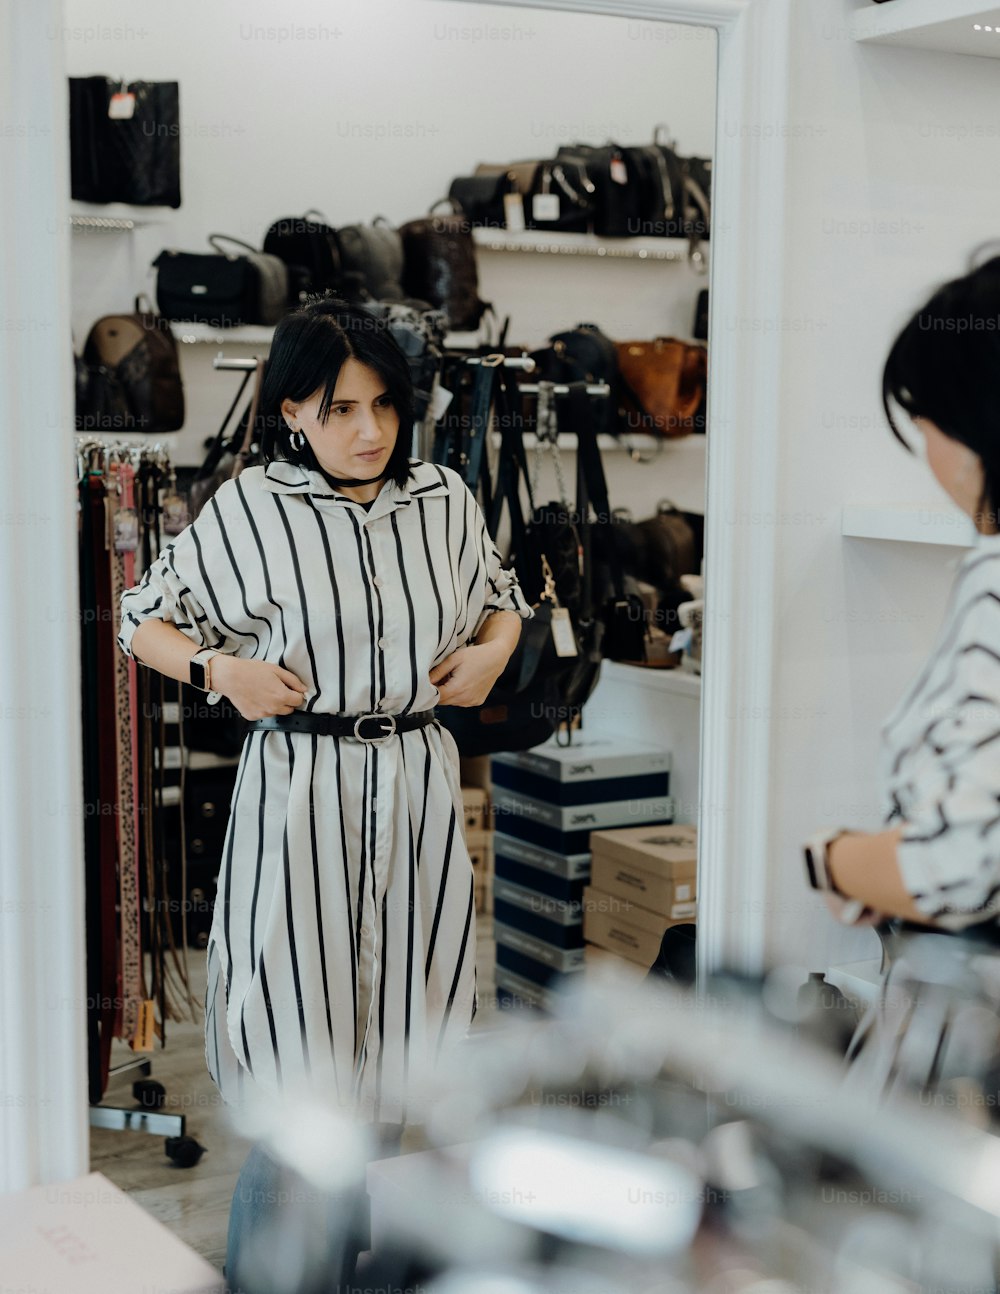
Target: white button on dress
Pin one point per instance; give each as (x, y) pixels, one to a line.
(342, 948)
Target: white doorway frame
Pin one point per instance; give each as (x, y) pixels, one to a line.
(747, 308)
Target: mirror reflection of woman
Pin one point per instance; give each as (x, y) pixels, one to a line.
(340, 579)
(935, 865)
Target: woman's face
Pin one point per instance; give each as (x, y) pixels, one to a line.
(360, 432)
(958, 469)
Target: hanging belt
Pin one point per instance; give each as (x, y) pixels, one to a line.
(346, 725)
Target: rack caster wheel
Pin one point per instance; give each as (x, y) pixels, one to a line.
(184, 1151)
(149, 1093)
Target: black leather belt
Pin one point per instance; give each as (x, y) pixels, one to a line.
(376, 729)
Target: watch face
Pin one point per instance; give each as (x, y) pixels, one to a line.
(198, 674)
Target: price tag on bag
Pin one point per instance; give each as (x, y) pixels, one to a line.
(618, 171)
(562, 632)
(545, 206)
(513, 212)
(121, 106)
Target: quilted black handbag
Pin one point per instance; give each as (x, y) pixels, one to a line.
(132, 158)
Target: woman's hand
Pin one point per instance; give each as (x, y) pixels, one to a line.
(466, 676)
(257, 688)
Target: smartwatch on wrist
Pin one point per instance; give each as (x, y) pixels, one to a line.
(817, 856)
(200, 671)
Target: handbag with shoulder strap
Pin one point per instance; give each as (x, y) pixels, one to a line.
(230, 453)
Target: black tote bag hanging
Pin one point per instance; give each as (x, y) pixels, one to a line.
(124, 141)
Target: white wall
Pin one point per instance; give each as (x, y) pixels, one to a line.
(894, 174)
(371, 107)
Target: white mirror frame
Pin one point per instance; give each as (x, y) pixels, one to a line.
(43, 1098)
(747, 306)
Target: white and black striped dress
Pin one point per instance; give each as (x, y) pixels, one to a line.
(936, 1015)
(940, 758)
(342, 950)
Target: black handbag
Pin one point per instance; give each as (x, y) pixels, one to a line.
(133, 158)
(311, 251)
(231, 451)
(617, 197)
(562, 197)
(539, 691)
(440, 268)
(480, 198)
(584, 354)
(221, 289)
(371, 260)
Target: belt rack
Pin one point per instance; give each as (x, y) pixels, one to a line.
(99, 456)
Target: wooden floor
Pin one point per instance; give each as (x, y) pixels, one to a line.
(194, 1202)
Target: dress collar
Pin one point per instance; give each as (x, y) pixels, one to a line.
(426, 481)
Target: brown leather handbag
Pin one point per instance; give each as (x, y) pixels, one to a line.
(663, 386)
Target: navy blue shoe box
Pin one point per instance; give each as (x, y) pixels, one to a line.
(546, 802)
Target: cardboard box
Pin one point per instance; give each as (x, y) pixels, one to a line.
(569, 867)
(588, 758)
(656, 867)
(595, 957)
(482, 872)
(88, 1237)
(539, 950)
(566, 829)
(474, 770)
(625, 928)
(476, 807)
(671, 899)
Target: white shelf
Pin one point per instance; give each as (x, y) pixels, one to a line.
(114, 215)
(948, 26)
(912, 523)
(679, 682)
(246, 335)
(552, 243)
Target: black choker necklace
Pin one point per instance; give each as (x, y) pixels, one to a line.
(339, 481)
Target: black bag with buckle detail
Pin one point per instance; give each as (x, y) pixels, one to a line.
(222, 289)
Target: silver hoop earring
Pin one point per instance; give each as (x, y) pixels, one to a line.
(297, 441)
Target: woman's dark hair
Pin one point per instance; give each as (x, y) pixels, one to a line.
(945, 366)
(307, 353)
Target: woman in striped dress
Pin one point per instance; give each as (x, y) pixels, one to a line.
(341, 579)
(934, 868)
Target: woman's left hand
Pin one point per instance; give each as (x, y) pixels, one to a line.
(466, 676)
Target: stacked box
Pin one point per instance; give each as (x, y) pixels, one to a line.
(477, 825)
(546, 802)
(642, 881)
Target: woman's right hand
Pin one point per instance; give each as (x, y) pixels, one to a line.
(257, 688)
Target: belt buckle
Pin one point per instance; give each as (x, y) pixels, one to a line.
(380, 718)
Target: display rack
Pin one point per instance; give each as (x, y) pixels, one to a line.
(912, 523)
(112, 216)
(955, 27)
(545, 242)
(200, 333)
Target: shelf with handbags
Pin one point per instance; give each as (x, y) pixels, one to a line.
(961, 27)
(607, 201)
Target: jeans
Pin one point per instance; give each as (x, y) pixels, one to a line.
(263, 1189)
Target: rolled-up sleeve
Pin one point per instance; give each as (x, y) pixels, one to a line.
(501, 590)
(949, 852)
(170, 591)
